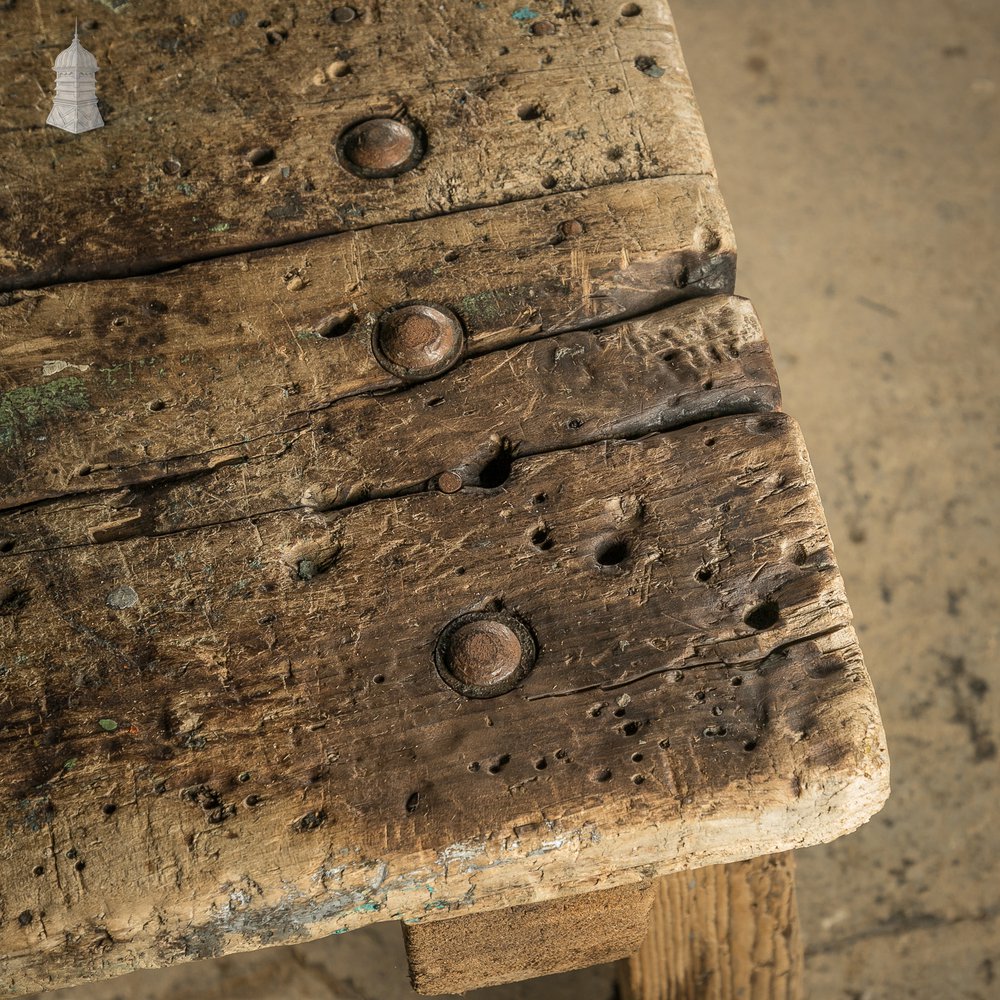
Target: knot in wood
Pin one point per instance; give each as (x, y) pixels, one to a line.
(418, 340)
(484, 653)
(381, 147)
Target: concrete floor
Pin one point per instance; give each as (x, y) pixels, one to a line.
(858, 148)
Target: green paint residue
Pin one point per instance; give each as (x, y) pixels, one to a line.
(108, 725)
(219, 227)
(524, 14)
(493, 305)
(26, 408)
(70, 764)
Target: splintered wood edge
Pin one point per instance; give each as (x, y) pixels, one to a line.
(599, 844)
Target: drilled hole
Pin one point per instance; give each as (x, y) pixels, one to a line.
(704, 574)
(155, 405)
(541, 764)
(764, 616)
(611, 552)
(636, 758)
(539, 498)
(637, 779)
(630, 10)
(109, 809)
(378, 679)
(474, 766)
(630, 728)
(736, 681)
(601, 775)
(709, 442)
(750, 745)
(38, 871)
(243, 777)
(80, 865)
(412, 802)
(664, 744)
(6, 545)
(529, 112)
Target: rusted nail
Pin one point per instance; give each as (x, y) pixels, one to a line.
(483, 654)
(449, 482)
(418, 340)
(543, 28)
(381, 147)
(571, 227)
(342, 15)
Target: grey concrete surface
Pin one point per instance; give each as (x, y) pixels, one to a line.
(858, 148)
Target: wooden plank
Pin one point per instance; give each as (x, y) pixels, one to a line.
(206, 751)
(185, 367)
(687, 363)
(513, 107)
(721, 932)
(524, 942)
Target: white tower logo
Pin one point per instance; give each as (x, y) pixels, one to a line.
(75, 106)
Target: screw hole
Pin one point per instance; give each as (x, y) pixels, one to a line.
(109, 809)
(601, 775)
(611, 552)
(496, 471)
(38, 871)
(155, 405)
(764, 616)
(736, 681)
(541, 764)
(412, 802)
(630, 728)
(664, 744)
(243, 777)
(750, 745)
(529, 112)
(637, 779)
(630, 10)
(637, 758)
(378, 679)
(474, 766)
(704, 574)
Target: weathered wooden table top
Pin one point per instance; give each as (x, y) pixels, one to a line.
(243, 510)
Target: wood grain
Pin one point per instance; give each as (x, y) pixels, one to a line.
(721, 932)
(687, 363)
(110, 379)
(285, 762)
(510, 111)
(524, 942)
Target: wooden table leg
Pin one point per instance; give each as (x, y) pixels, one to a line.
(523, 942)
(721, 932)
